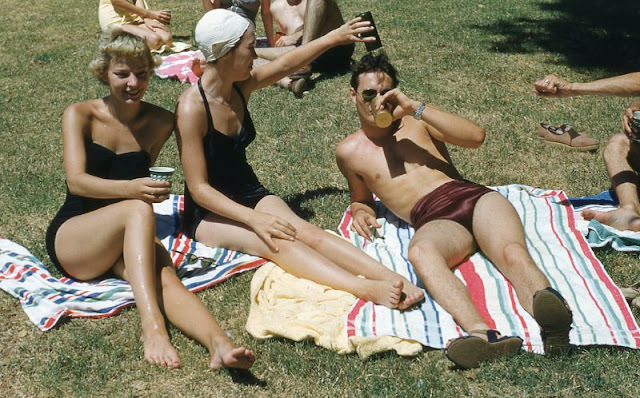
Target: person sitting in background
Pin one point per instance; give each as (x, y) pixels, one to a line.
(106, 226)
(622, 151)
(135, 17)
(290, 22)
(320, 17)
(248, 9)
(225, 203)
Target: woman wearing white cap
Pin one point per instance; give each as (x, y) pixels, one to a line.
(225, 204)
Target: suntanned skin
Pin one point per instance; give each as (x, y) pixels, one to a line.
(272, 230)
(621, 153)
(320, 17)
(402, 163)
(121, 237)
(290, 21)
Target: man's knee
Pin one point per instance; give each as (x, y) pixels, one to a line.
(514, 253)
(616, 147)
(418, 253)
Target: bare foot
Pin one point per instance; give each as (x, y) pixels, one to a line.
(411, 295)
(385, 293)
(622, 219)
(237, 357)
(158, 350)
(285, 82)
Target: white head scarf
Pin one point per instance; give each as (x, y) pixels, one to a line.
(218, 31)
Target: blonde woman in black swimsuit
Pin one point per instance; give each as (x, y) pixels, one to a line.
(225, 204)
(107, 224)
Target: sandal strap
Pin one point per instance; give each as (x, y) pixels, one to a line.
(492, 334)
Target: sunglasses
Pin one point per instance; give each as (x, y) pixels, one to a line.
(369, 94)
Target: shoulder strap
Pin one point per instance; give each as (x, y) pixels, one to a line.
(244, 102)
(206, 106)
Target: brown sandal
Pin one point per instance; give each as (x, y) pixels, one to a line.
(565, 135)
(469, 351)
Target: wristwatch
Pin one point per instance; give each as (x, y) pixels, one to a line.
(418, 114)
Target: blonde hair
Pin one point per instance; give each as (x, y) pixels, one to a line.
(118, 44)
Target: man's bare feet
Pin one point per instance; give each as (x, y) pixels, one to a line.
(622, 219)
(158, 350)
(236, 357)
(411, 295)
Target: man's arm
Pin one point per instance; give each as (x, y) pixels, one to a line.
(627, 85)
(267, 20)
(441, 125)
(362, 204)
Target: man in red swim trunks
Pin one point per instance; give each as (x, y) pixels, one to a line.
(408, 167)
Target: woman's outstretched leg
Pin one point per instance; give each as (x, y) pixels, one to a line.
(186, 312)
(300, 260)
(340, 251)
(120, 238)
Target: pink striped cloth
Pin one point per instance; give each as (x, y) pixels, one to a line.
(46, 299)
(179, 66)
(601, 314)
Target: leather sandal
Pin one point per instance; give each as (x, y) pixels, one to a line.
(298, 87)
(565, 135)
(554, 317)
(469, 351)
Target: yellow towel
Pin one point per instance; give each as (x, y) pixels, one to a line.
(298, 309)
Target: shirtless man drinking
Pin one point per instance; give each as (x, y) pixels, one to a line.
(408, 167)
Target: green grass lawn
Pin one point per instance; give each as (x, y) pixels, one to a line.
(475, 58)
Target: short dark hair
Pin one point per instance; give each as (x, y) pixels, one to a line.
(373, 63)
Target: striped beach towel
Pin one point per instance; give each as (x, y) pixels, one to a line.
(601, 314)
(179, 66)
(601, 235)
(46, 299)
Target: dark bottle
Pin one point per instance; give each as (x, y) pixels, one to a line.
(370, 45)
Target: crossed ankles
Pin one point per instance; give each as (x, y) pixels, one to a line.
(469, 351)
(554, 317)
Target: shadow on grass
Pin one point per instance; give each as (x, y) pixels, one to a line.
(296, 201)
(599, 34)
(245, 378)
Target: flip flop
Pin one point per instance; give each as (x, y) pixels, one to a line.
(554, 316)
(469, 351)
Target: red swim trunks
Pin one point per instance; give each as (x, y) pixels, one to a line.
(454, 200)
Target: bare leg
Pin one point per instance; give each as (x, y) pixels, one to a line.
(299, 259)
(185, 311)
(621, 158)
(340, 251)
(500, 236)
(154, 38)
(435, 249)
(120, 237)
